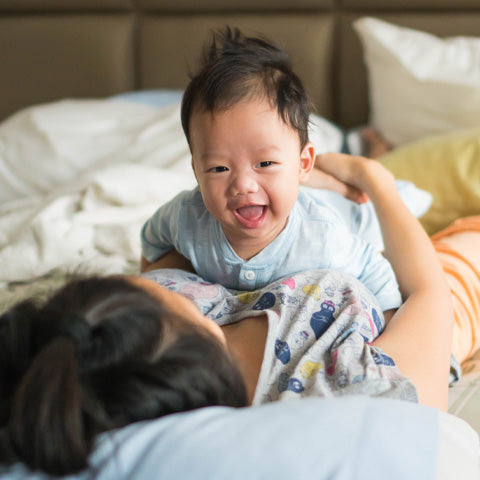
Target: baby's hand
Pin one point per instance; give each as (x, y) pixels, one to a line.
(321, 179)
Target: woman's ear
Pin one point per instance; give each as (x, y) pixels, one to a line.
(307, 161)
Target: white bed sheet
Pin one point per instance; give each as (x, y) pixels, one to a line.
(78, 178)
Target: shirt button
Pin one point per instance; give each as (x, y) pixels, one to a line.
(249, 275)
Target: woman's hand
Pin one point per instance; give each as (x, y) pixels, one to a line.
(357, 173)
(321, 178)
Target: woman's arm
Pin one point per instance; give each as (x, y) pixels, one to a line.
(419, 335)
(320, 179)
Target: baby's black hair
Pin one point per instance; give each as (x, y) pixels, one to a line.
(237, 68)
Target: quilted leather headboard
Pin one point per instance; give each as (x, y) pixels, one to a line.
(92, 48)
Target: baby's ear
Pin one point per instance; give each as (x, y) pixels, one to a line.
(195, 173)
(307, 161)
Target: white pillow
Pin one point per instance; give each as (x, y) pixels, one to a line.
(419, 84)
(325, 136)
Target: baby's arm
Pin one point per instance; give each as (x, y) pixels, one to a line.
(159, 239)
(354, 255)
(172, 259)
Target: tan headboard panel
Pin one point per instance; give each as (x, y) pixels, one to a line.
(53, 56)
(312, 56)
(53, 49)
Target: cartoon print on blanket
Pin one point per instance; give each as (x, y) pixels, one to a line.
(321, 325)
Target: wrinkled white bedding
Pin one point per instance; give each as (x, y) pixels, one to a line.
(79, 177)
(77, 180)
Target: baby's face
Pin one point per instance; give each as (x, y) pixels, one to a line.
(248, 165)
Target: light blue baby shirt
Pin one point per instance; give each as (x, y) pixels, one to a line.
(315, 237)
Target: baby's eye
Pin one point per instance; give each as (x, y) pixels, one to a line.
(267, 163)
(218, 169)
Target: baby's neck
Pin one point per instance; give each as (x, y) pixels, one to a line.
(246, 248)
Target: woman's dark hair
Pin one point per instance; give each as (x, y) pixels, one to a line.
(237, 68)
(99, 354)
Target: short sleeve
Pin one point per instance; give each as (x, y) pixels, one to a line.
(159, 234)
(354, 255)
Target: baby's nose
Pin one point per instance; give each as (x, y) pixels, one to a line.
(244, 183)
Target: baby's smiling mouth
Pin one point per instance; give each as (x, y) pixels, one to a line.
(251, 215)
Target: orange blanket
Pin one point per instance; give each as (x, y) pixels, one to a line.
(458, 247)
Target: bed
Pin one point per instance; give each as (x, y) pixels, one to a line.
(91, 145)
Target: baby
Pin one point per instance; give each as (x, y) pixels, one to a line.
(248, 223)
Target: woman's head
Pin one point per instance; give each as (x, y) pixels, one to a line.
(99, 354)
